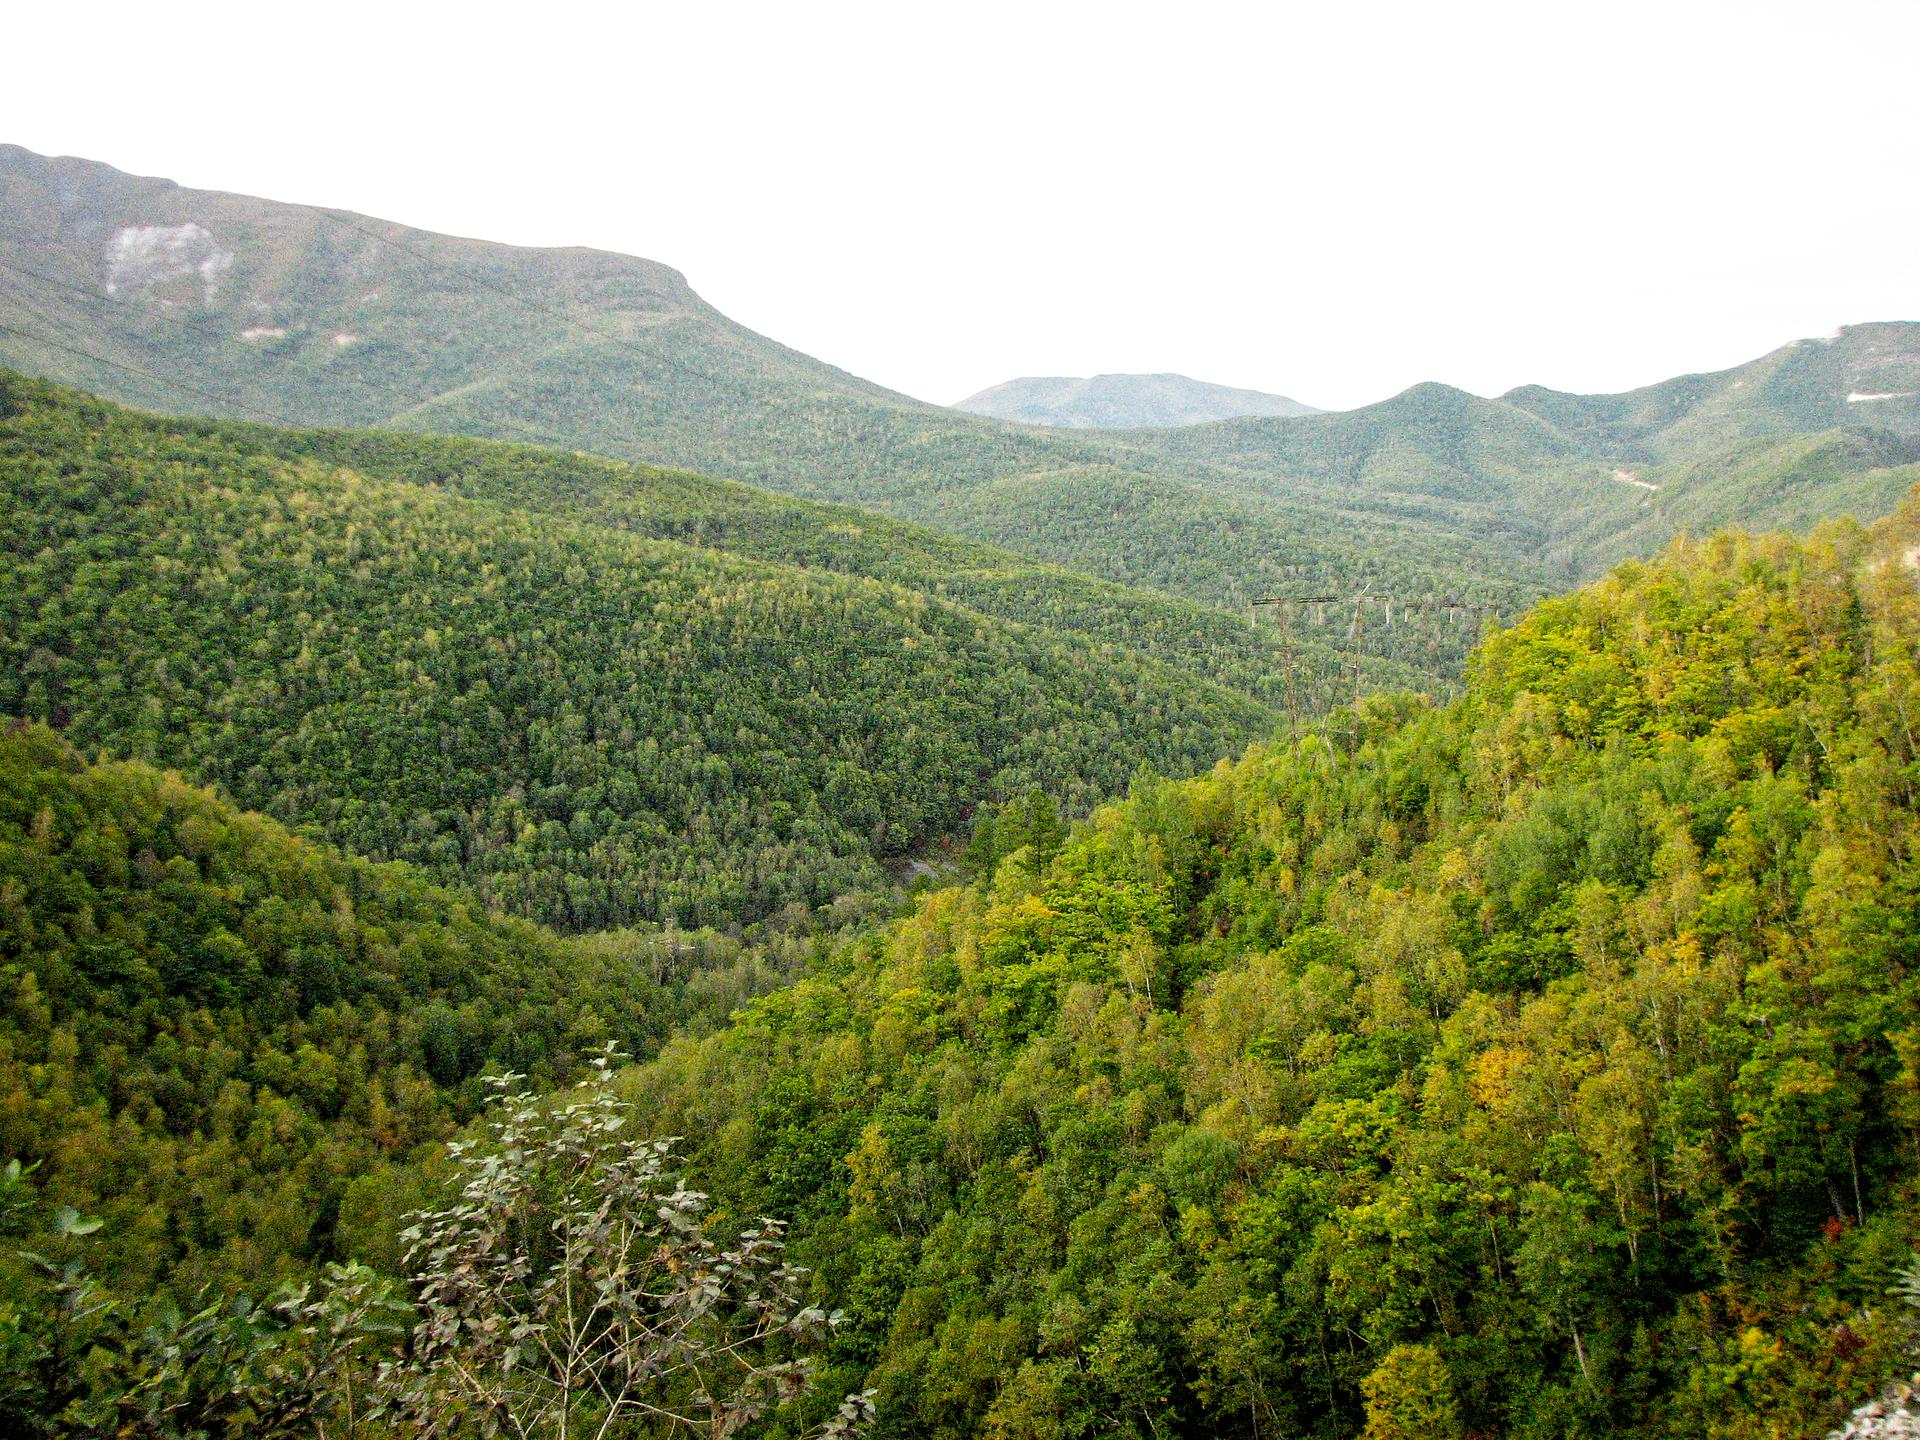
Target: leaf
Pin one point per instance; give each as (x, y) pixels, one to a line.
(69, 1221)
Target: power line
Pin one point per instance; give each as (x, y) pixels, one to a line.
(1404, 601)
(517, 298)
(146, 374)
(408, 402)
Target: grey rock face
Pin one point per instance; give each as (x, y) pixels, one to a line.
(1894, 1416)
(145, 258)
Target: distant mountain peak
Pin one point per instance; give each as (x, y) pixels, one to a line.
(1123, 402)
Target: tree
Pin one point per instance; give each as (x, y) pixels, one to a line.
(77, 1362)
(574, 1287)
(570, 1289)
(1563, 1262)
(1410, 1397)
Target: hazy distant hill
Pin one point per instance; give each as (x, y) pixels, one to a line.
(1123, 402)
(1860, 376)
(204, 302)
(1574, 483)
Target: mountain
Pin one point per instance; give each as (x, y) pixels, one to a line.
(482, 660)
(1539, 478)
(1861, 376)
(292, 312)
(1122, 402)
(205, 302)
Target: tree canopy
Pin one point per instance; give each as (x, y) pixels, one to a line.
(586, 726)
(1543, 1064)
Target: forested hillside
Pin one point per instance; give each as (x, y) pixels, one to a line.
(1542, 1064)
(205, 302)
(1444, 469)
(1146, 615)
(1546, 1064)
(1861, 375)
(235, 1047)
(587, 725)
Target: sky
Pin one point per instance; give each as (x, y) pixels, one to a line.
(1331, 201)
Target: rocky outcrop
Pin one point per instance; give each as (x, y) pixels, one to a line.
(1894, 1416)
(142, 259)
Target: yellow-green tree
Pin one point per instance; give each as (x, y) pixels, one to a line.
(1410, 1397)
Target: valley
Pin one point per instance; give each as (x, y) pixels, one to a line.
(568, 868)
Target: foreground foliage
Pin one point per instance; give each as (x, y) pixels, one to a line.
(568, 1284)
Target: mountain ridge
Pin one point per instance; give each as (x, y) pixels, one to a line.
(1806, 384)
(315, 318)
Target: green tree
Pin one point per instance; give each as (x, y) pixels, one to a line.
(1409, 1396)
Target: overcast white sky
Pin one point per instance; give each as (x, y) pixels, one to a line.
(1331, 201)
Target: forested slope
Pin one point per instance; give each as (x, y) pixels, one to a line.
(234, 1046)
(1785, 482)
(1861, 375)
(1146, 615)
(1542, 1065)
(588, 725)
(1520, 482)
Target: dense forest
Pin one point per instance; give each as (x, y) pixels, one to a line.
(589, 726)
(1146, 614)
(226, 1041)
(1541, 1065)
(1229, 549)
